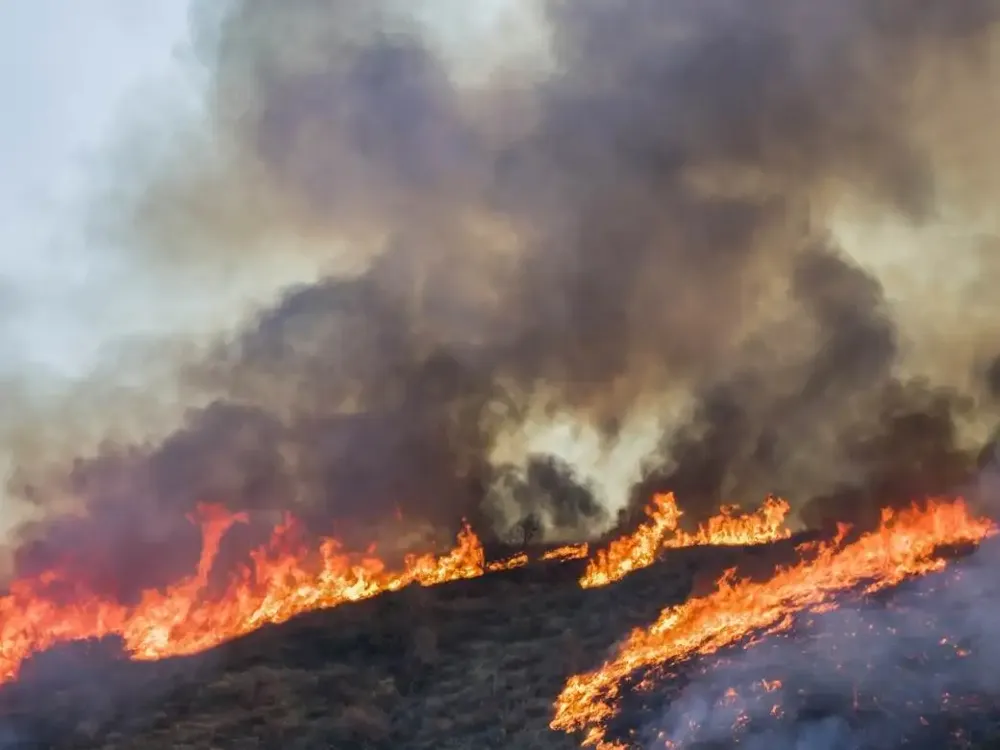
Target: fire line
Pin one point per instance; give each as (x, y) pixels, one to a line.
(903, 546)
(286, 579)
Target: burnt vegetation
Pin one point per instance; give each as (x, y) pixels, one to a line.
(651, 212)
(478, 664)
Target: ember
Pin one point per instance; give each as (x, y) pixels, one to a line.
(569, 552)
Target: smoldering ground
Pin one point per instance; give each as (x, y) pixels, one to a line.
(638, 220)
(916, 668)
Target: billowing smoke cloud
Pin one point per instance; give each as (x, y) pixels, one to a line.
(636, 224)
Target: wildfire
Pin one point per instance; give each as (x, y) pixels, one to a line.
(569, 552)
(639, 550)
(284, 581)
(903, 546)
(515, 561)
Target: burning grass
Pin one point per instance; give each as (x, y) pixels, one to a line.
(481, 663)
(902, 547)
(287, 579)
(641, 548)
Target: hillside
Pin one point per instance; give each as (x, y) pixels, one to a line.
(470, 664)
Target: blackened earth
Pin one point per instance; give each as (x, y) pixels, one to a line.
(475, 665)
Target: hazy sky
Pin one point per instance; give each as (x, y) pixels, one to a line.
(69, 74)
(73, 71)
(66, 69)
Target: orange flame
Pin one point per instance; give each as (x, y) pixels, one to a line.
(285, 581)
(639, 549)
(903, 546)
(569, 552)
(516, 561)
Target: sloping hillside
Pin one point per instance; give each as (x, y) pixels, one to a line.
(472, 664)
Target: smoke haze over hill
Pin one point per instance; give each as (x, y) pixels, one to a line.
(612, 263)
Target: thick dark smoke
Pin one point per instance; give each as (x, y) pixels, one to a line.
(647, 214)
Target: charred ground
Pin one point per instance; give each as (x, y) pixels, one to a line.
(478, 664)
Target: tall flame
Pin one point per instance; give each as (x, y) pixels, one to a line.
(903, 546)
(639, 549)
(287, 579)
(284, 581)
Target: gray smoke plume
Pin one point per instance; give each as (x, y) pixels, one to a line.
(639, 219)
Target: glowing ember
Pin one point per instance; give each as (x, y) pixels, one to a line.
(569, 552)
(284, 581)
(639, 550)
(903, 546)
(516, 561)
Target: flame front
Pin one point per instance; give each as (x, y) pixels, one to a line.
(639, 550)
(903, 546)
(284, 581)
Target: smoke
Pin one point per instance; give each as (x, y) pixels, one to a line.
(627, 225)
(911, 670)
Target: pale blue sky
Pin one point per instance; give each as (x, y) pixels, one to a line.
(65, 70)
